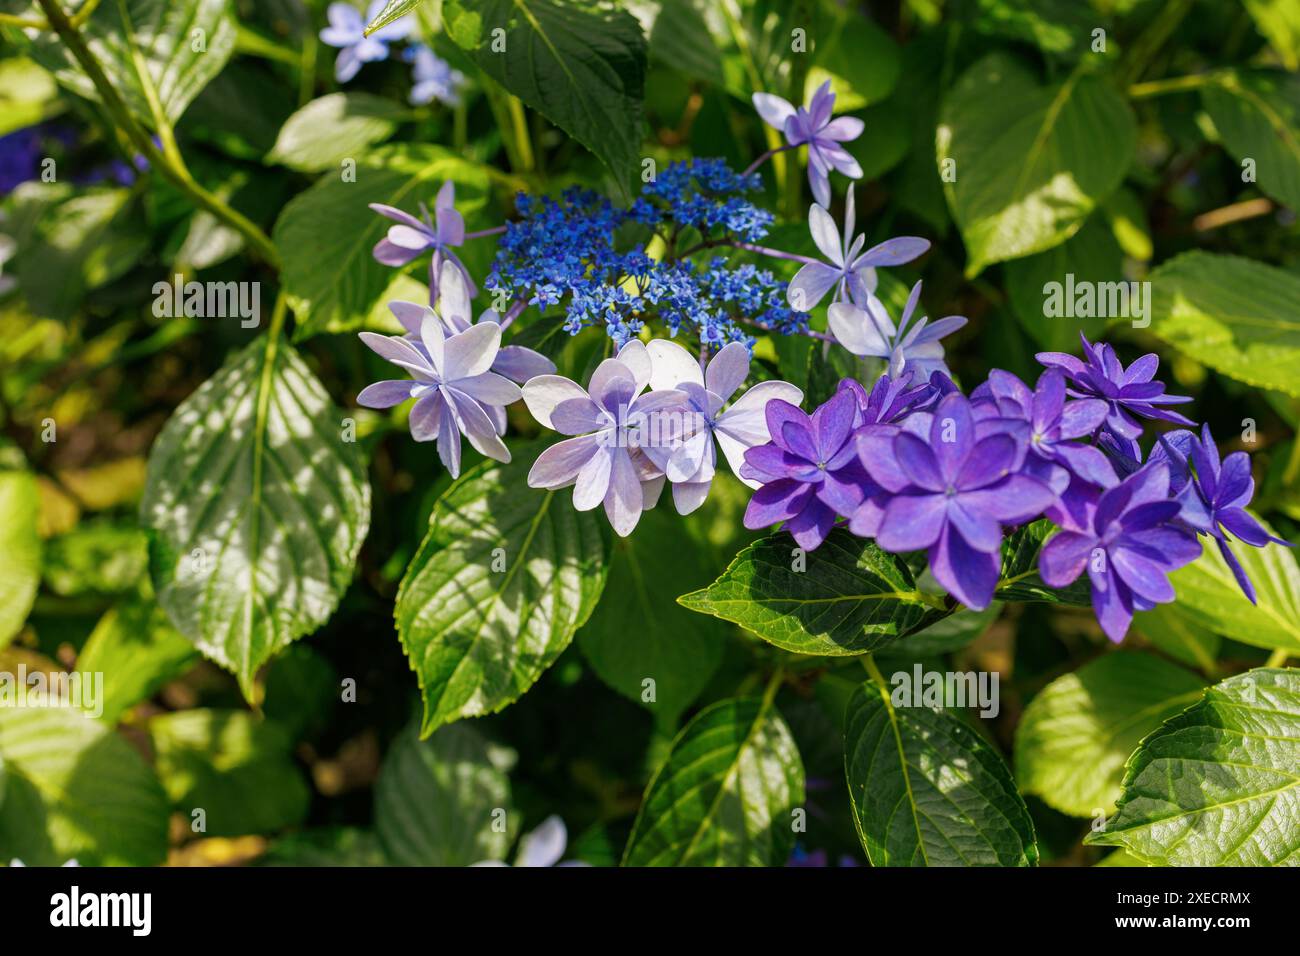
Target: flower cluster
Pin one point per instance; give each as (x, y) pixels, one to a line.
(432, 77)
(922, 467)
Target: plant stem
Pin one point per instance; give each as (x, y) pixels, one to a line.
(1177, 84)
(494, 231)
(764, 157)
(1157, 32)
(873, 671)
(167, 160)
(1278, 658)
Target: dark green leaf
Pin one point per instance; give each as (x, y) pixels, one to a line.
(1019, 580)
(1258, 115)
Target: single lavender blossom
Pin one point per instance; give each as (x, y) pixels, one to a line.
(1129, 547)
(544, 847)
(612, 421)
(453, 387)
(871, 333)
(347, 31)
(412, 237)
(434, 78)
(852, 275)
(812, 125)
(690, 463)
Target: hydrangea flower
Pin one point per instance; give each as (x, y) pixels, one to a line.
(852, 275)
(434, 78)
(453, 387)
(892, 399)
(1128, 391)
(1215, 495)
(690, 462)
(1129, 547)
(347, 31)
(612, 420)
(412, 237)
(544, 846)
(951, 496)
(871, 333)
(813, 125)
(809, 471)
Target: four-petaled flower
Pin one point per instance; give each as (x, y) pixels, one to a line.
(434, 78)
(852, 273)
(347, 31)
(412, 237)
(871, 333)
(813, 125)
(1129, 547)
(689, 462)
(454, 387)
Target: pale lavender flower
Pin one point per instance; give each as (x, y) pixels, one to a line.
(347, 30)
(542, 847)
(690, 462)
(454, 387)
(852, 275)
(412, 237)
(612, 421)
(434, 78)
(813, 125)
(870, 332)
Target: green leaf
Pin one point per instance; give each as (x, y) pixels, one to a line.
(74, 789)
(438, 801)
(1073, 738)
(136, 650)
(258, 508)
(947, 634)
(850, 597)
(927, 790)
(20, 550)
(326, 846)
(333, 128)
(1235, 315)
(1207, 588)
(1054, 26)
(1217, 785)
(680, 38)
(727, 793)
(503, 580)
(860, 59)
(643, 633)
(581, 65)
(181, 45)
(393, 10)
(1257, 113)
(237, 768)
(28, 94)
(1179, 633)
(1279, 21)
(326, 235)
(99, 557)
(1090, 256)
(1019, 580)
(1032, 161)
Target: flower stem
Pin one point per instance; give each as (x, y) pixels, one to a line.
(1153, 38)
(764, 157)
(1278, 658)
(516, 309)
(494, 231)
(1177, 84)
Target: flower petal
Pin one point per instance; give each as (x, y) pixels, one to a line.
(671, 365)
(559, 465)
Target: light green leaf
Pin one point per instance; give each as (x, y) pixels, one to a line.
(928, 791)
(181, 45)
(75, 789)
(1233, 314)
(1257, 113)
(1073, 738)
(1032, 161)
(136, 650)
(97, 557)
(727, 793)
(28, 94)
(393, 10)
(844, 598)
(333, 128)
(326, 235)
(1207, 589)
(1180, 634)
(258, 508)
(503, 580)
(437, 801)
(20, 550)
(237, 768)
(1217, 785)
(640, 633)
(1279, 21)
(581, 65)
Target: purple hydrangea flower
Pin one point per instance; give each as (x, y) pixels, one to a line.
(1128, 391)
(453, 387)
(412, 237)
(813, 125)
(870, 332)
(949, 496)
(810, 471)
(853, 275)
(1214, 496)
(892, 398)
(1129, 547)
(611, 420)
(347, 30)
(434, 78)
